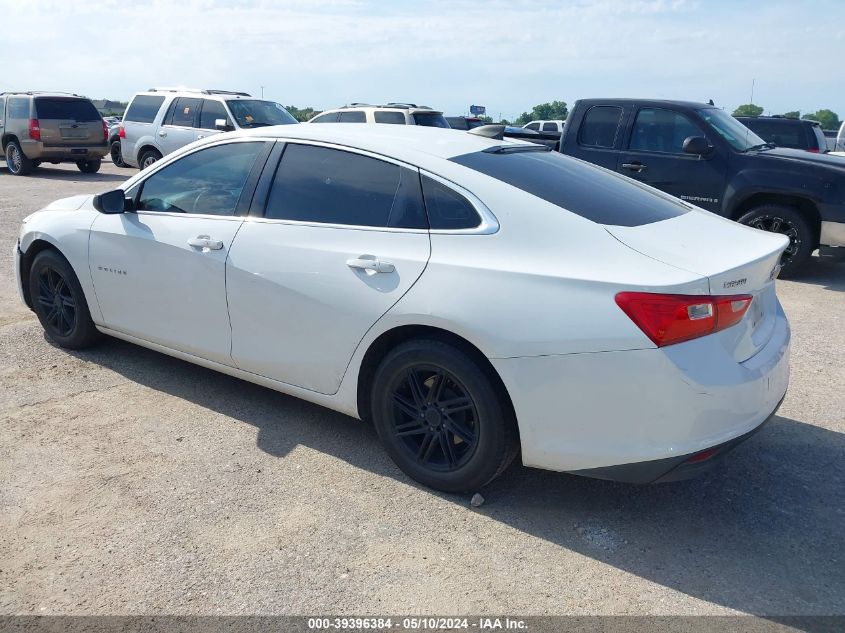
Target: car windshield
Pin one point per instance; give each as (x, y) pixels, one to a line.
(250, 113)
(430, 119)
(734, 132)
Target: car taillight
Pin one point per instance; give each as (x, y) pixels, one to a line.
(34, 130)
(105, 131)
(122, 132)
(669, 319)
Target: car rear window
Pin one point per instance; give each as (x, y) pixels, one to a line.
(353, 117)
(599, 127)
(430, 119)
(143, 109)
(591, 192)
(61, 108)
(388, 116)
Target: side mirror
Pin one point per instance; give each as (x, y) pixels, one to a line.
(111, 202)
(696, 145)
(223, 125)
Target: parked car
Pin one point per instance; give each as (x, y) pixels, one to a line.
(391, 114)
(112, 120)
(464, 122)
(555, 125)
(53, 127)
(114, 145)
(784, 132)
(474, 298)
(706, 157)
(161, 120)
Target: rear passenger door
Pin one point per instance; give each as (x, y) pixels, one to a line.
(597, 135)
(654, 155)
(212, 111)
(341, 237)
(179, 125)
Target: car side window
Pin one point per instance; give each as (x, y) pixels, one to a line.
(331, 117)
(446, 208)
(209, 181)
(658, 130)
(185, 112)
(353, 117)
(599, 126)
(18, 108)
(211, 111)
(550, 127)
(330, 186)
(533, 126)
(387, 116)
(143, 109)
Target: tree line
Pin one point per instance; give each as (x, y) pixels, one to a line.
(828, 118)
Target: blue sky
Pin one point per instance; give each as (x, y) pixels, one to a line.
(508, 56)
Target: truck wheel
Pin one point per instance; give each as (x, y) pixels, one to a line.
(89, 166)
(116, 156)
(789, 222)
(148, 158)
(16, 161)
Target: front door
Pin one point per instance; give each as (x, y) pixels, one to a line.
(344, 236)
(654, 155)
(159, 272)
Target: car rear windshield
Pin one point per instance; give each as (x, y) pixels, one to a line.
(143, 109)
(591, 192)
(430, 119)
(61, 108)
(251, 113)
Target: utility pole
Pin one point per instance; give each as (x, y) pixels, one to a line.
(262, 92)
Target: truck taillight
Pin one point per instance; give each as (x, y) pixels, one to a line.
(668, 319)
(122, 132)
(34, 130)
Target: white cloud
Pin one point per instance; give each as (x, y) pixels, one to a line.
(506, 55)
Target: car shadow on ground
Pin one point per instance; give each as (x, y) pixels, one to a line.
(68, 172)
(827, 271)
(762, 534)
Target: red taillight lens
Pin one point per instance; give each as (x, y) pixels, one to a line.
(122, 132)
(814, 150)
(34, 130)
(105, 130)
(669, 319)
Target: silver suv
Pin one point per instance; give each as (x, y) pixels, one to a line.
(161, 120)
(52, 127)
(391, 113)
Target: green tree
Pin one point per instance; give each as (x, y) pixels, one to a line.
(748, 109)
(794, 114)
(486, 119)
(828, 118)
(302, 114)
(544, 112)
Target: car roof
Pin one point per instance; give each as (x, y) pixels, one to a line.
(40, 93)
(412, 109)
(614, 101)
(779, 118)
(408, 143)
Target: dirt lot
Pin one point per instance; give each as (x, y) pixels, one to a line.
(133, 483)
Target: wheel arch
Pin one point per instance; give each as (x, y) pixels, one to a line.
(28, 257)
(395, 336)
(6, 139)
(144, 148)
(804, 205)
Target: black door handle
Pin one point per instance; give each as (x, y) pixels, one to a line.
(635, 166)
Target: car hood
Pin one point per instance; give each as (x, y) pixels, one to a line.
(69, 204)
(801, 156)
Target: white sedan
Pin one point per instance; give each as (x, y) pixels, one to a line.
(475, 299)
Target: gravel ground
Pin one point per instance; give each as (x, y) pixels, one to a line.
(133, 483)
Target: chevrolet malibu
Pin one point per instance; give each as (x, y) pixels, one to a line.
(474, 298)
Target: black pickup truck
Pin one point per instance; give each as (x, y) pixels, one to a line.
(701, 154)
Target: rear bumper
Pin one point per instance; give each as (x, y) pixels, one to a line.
(36, 150)
(583, 412)
(673, 468)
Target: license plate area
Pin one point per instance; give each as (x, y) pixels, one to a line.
(78, 151)
(70, 132)
(756, 311)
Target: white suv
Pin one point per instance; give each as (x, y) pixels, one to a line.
(391, 113)
(546, 126)
(161, 120)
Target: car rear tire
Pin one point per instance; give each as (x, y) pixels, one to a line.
(116, 155)
(441, 417)
(16, 160)
(148, 158)
(791, 223)
(59, 302)
(89, 166)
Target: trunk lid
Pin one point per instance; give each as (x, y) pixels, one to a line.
(735, 259)
(66, 121)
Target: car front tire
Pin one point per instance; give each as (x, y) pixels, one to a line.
(441, 417)
(16, 160)
(89, 166)
(789, 222)
(59, 302)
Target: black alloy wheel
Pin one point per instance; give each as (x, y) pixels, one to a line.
(792, 224)
(57, 302)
